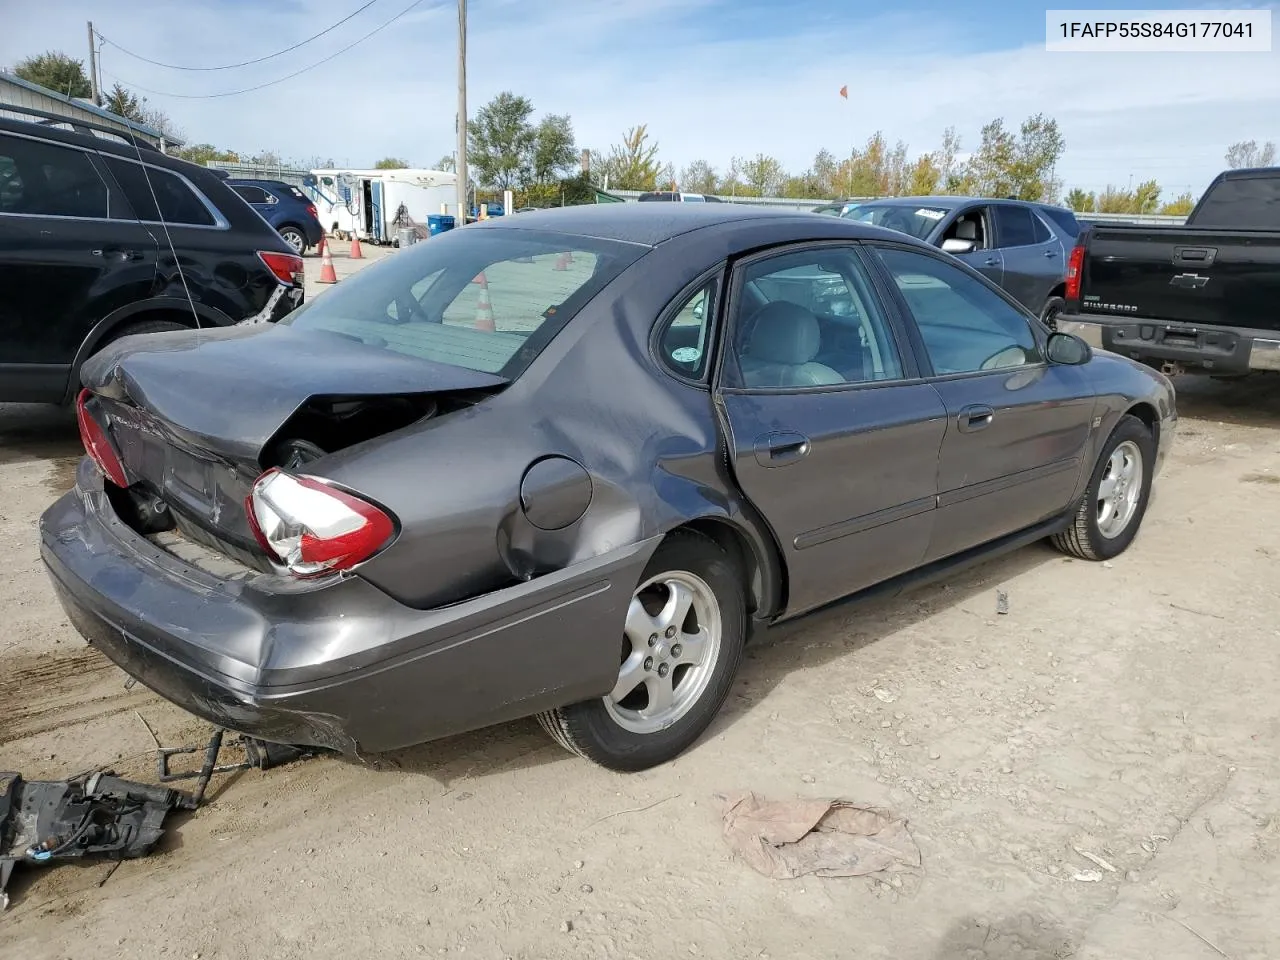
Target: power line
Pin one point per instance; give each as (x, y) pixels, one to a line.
(269, 83)
(245, 63)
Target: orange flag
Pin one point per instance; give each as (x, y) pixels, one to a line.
(844, 91)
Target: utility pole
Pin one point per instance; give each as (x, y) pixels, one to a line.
(460, 167)
(93, 68)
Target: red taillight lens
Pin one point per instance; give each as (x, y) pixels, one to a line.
(286, 266)
(97, 444)
(1075, 268)
(313, 528)
(311, 209)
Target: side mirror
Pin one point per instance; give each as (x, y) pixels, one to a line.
(1068, 349)
(956, 245)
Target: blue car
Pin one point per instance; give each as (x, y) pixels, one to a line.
(285, 207)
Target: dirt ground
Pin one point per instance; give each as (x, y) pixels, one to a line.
(1129, 710)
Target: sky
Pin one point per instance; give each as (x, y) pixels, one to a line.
(712, 79)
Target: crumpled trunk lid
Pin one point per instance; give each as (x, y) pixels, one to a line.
(192, 413)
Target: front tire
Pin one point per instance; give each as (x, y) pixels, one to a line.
(1112, 509)
(1052, 308)
(681, 648)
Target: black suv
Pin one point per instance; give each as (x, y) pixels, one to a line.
(102, 237)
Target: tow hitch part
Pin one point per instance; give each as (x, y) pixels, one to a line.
(98, 814)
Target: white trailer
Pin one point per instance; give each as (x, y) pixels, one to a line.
(365, 203)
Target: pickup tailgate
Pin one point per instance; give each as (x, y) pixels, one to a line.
(1183, 275)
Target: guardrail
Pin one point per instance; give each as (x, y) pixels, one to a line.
(260, 171)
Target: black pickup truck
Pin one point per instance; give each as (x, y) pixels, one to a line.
(1199, 298)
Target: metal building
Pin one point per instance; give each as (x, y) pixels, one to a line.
(23, 93)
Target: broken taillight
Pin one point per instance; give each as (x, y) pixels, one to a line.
(312, 527)
(286, 266)
(97, 444)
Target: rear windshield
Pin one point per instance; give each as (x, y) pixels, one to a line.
(1240, 203)
(913, 219)
(487, 299)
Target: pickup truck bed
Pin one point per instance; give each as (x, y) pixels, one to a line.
(1190, 298)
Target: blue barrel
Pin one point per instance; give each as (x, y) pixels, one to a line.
(438, 223)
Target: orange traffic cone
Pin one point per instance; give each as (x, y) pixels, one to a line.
(356, 252)
(327, 273)
(561, 263)
(484, 310)
(480, 279)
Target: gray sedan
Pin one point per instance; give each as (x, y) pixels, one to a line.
(1022, 246)
(561, 464)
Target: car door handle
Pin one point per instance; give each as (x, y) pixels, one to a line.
(974, 418)
(117, 254)
(782, 448)
(1051, 254)
(991, 261)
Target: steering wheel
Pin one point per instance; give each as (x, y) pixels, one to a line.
(1013, 356)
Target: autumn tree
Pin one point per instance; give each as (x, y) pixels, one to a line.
(1036, 154)
(1248, 153)
(925, 177)
(699, 177)
(764, 175)
(1146, 197)
(1180, 206)
(204, 153)
(56, 71)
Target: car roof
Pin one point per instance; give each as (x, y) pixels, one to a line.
(650, 224)
(951, 202)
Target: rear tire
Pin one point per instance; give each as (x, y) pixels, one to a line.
(1052, 308)
(681, 649)
(295, 238)
(1112, 508)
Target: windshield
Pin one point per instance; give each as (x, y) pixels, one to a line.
(912, 219)
(481, 298)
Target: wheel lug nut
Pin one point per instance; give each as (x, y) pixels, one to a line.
(648, 663)
(675, 650)
(671, 632)
(653, 638)
(663, 670)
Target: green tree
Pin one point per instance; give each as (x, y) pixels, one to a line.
(1247, 153)
(123, 104)
(391, 163)
(1146, 197)
(633, 164)
(990, 170)
(554, 151)
(56, 71)
(924, 177)
(501, 141)
(699, 177)
(824, 173)
(1180, 206)
(1039, 148)
(950, 173)
(446, 163)
(1080, 201)
(764, 175)
(203, 153)
(1115, 200)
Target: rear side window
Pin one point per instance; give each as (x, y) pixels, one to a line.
(252, 194)
(1015, 226)
(1244, 203)
(42, 179)
(1064, 219)
(150, 187)
(1042, 232)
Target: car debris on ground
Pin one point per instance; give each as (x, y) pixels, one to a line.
(785, 839)
(99, 815)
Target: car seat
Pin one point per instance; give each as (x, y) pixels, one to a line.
(781, 342)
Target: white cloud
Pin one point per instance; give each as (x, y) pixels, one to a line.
(708, 87)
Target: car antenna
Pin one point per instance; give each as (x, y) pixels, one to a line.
(133, 139)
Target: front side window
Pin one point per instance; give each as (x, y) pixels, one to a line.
(43, 179)
(487, 300)
(809, 319)
(966, 327)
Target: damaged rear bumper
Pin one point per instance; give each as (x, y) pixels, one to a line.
(337, 665)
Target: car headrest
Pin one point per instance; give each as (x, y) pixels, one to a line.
(784, 332)
(967, 230)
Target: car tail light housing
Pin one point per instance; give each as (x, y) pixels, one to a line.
(312, 527)
(286, 266)
(1075, 268)
(97, 444)
(311, 209)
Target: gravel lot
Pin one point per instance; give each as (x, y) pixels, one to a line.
(1129, 710)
